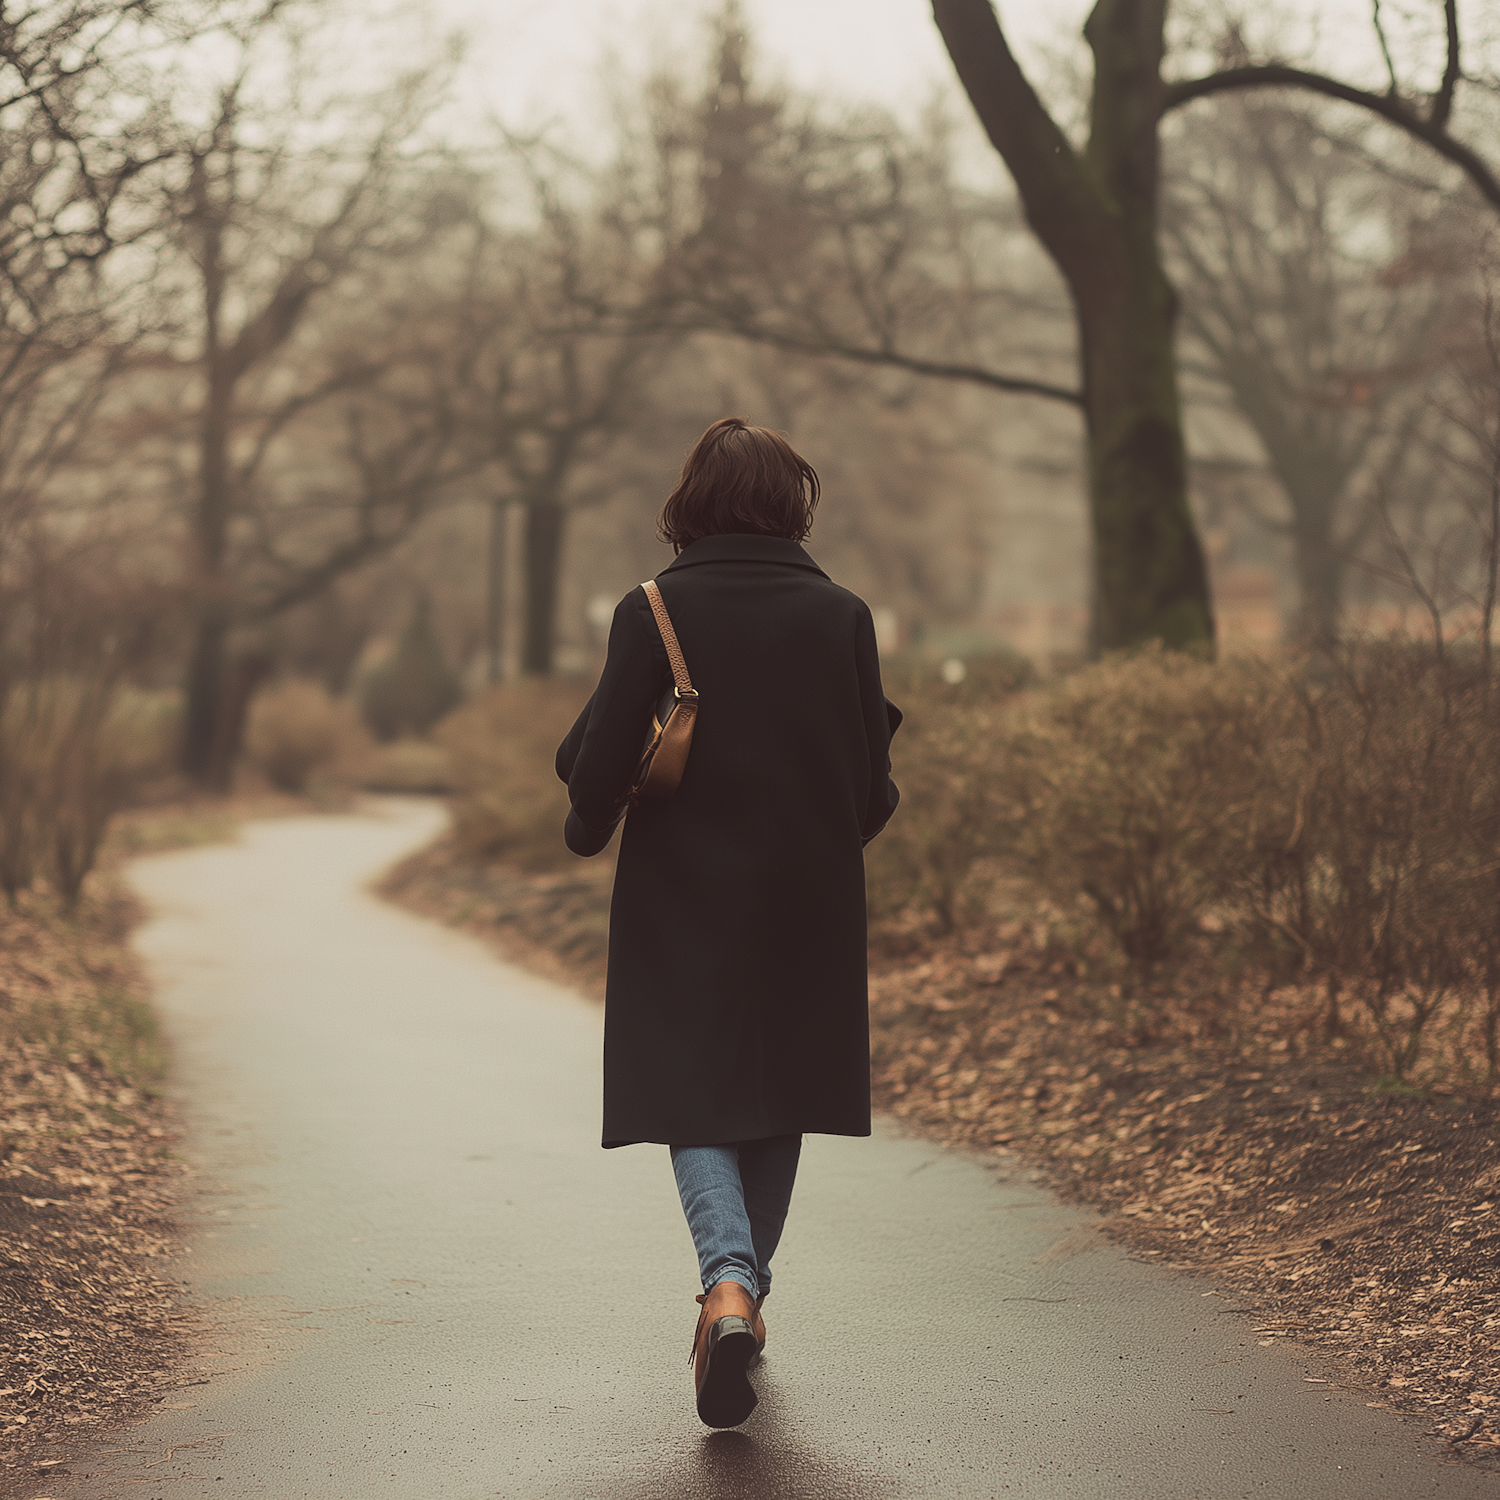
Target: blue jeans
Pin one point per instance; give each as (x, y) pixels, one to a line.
(735, 1197)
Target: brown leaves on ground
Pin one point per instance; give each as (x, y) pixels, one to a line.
(87, 1183)
(1364, 1224)
(557, 925)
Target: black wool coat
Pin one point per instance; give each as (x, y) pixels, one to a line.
(736, 1003)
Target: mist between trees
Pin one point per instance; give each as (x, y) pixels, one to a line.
(313, 418)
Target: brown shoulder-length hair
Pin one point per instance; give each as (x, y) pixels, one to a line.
(740, 478)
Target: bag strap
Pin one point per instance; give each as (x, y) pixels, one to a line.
(669, 640)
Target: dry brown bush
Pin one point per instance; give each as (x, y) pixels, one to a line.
(1213, 832)
(297, 731)
(411, 766)
(77, 736)
(73, 751)
(502, 743)
(1374, 862)
(1131, 783)
(929, 867)
(1229, 829)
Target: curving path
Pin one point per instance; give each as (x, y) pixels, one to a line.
(426, 1279)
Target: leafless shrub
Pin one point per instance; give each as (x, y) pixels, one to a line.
(1130, 784)
(929, 867)
(1373, 858)
(1335, 834)
(510, 803)
(75, 738)
(71, 753)
(297, 730)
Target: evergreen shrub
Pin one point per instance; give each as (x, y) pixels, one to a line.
(414, 687)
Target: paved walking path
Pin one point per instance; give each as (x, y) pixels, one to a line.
(429, 1281)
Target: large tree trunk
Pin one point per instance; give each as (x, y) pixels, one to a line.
(1320, 579)
(202, 752)
(1314, 470)
(241, 678)
(546, 523)
(218, 702)
(1150, 582)
(1096, 213)
(204, 700)
(204, 755)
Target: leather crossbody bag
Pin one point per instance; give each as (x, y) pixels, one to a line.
(666, 754)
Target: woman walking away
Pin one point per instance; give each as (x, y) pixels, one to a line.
(736, 1015)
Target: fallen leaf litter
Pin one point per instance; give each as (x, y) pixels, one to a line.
(89, 1326)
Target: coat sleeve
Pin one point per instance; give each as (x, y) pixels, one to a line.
(603, 748)
(567, 752)
(882, 719)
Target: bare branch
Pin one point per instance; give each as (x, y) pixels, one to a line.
(1385, 48)
(276, 422)
(1409, 575)
(1442, 101)
(937, 369)
(1394, 110)
(892, 359)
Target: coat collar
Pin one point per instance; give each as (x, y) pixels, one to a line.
(739, 547)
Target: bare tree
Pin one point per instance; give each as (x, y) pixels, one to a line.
(1475, 414)
(276, 206)
(556, 362)
(1425, 115)
(1316, 297)
(78, 174)
(842, 237)
(80, 168)
(1442, 538)
(1095, 210)
(838, 233)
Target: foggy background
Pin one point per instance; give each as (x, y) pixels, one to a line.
(1010, 565)
(329, 324)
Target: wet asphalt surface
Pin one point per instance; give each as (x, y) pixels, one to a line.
(423, 1278)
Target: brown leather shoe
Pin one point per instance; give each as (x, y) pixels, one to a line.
(757, 1325)
(723, 1348)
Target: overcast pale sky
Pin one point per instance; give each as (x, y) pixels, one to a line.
(539, 59)
(535, 60)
